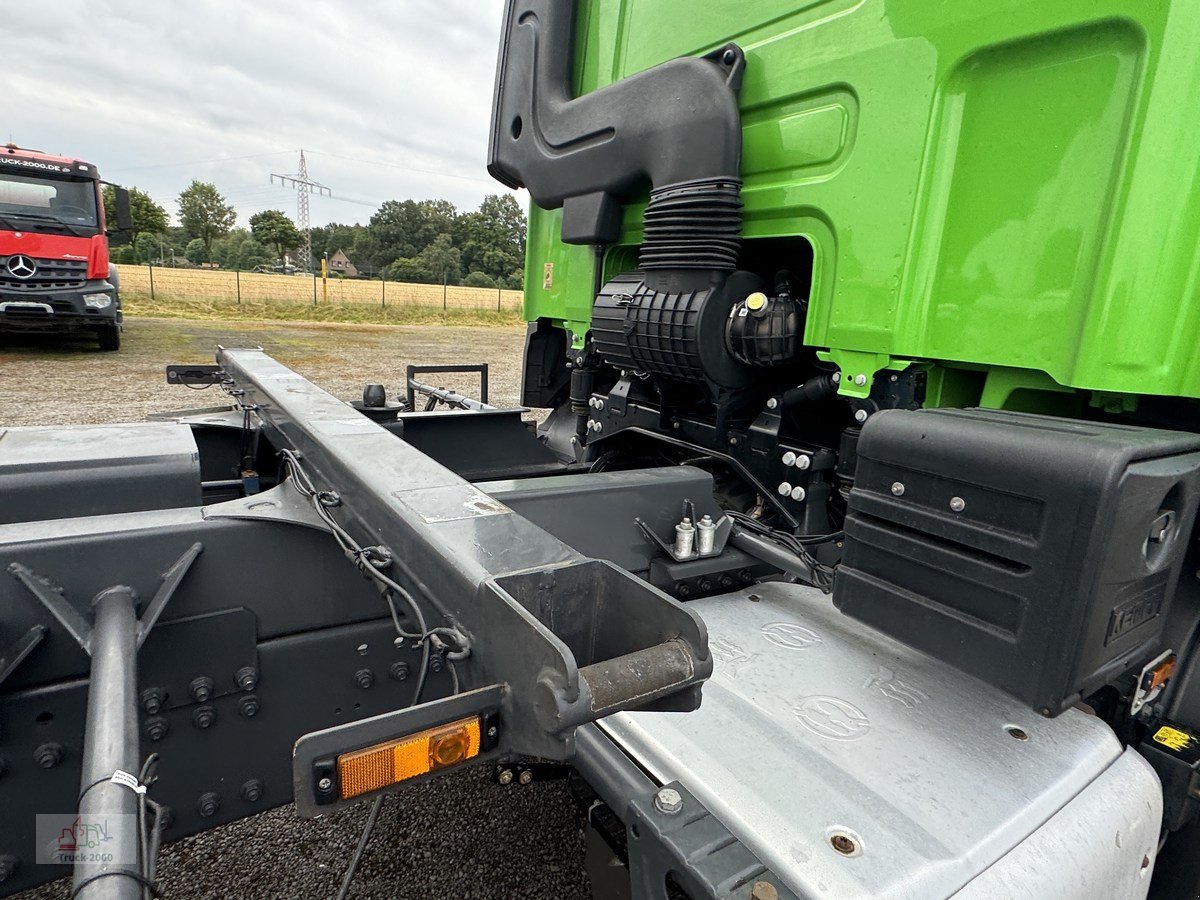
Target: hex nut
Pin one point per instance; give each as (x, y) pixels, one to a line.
(252, 790)
(201, 689)
(364, 678)
(249, 706)
(436, 663)
(204, 716)
(398, 671)
(668, 801)
(156, 728)
(208, 804)
(47, 756)
(152, 700)
(167, 818)
(246, 678)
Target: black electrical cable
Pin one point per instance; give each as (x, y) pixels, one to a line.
(822, 574)
(367, 561)
(348, 878)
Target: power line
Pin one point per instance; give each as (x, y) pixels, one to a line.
(403, 168)
(199, 162)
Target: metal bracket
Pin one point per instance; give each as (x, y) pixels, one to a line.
(50, 595)
(196, 374)
(413, 386)
(15, 654)
(724, 529)
(282, 503)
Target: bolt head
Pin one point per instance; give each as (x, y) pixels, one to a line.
(505, 776)
(729, 57)
(364, 679)
(525, 777)
(802, 461)
(669, 801)
(837, 377)
(772, 403)
(248, 706)
(157, 728)
(798, 493)
(860, 380)
(898, 489)
(733, 442)
(47, 756)
(784, 489)
(958, 504)
(789, 458)
(201, 689)
(860, 416)
(252, 790)
(325, 784)
(247, 678)
(208, 804)
(152, 700)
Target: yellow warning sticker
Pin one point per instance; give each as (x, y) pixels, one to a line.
(1172, 737)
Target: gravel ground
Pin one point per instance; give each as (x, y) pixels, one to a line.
(461, 836)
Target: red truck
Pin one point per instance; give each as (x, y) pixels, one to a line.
(54, 270)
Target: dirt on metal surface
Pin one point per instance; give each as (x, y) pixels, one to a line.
(459, 836)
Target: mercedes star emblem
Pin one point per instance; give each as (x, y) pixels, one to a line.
(20, 266)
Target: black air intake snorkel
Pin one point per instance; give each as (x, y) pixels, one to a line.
(674, 128)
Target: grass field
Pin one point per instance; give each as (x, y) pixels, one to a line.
(205, 285)
(227, 309)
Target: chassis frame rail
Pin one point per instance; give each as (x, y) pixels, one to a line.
(572, 638)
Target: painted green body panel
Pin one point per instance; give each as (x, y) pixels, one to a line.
(1008, 184)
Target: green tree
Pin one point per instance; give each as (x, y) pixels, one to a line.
(196, 252)
(442, 259)
(403, 228)
(271, 227)
(146, 248)
(204, 213)
(409, 270)
(251, 253)
(479, 279)
(148, 216)
(492, 238)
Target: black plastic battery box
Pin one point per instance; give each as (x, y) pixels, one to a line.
(1036, 553)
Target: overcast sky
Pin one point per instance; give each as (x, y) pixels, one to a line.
(388, 99)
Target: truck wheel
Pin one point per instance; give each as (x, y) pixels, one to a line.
(110, 337)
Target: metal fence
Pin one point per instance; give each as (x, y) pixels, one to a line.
(166, 283)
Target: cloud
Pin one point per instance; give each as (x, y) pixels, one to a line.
(389, 100)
